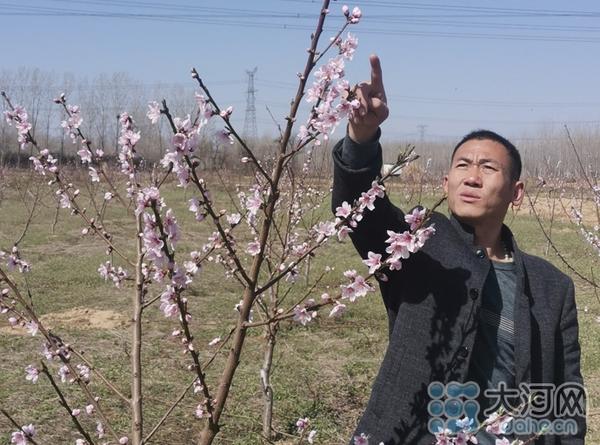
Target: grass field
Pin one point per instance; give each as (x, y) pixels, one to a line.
(323, 371)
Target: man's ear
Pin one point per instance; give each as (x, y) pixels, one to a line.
(445, 183)
(518, 193)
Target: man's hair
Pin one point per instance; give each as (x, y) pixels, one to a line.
(515, 157)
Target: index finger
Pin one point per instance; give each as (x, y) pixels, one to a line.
(376, 74)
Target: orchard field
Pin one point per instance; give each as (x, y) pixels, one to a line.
(322, 371)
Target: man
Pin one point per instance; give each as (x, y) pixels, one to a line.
(470, 306)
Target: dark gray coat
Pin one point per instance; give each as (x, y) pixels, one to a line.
(432, 306)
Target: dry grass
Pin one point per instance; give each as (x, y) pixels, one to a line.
(323, 371)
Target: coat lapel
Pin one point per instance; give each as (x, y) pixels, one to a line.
(522, 316)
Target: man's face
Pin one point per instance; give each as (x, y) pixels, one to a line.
(478, 184)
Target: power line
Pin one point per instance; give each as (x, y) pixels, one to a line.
(248, 18)
(492, 103)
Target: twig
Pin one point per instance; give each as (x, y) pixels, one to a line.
(29, 438)
(230, 128)
(94, 369)
(29, 217)
(562, 258)
(66, 406)
(168, 413)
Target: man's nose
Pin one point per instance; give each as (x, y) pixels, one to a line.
(473, 179)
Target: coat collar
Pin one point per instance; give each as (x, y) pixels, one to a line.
(522, 317)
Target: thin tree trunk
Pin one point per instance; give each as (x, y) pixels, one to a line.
(265, 381)
(136, 345)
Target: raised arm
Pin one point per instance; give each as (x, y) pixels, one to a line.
(357, 163)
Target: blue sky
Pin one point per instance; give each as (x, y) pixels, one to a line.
(521, 68)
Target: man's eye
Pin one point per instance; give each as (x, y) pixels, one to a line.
(461, 165)
(489, 168)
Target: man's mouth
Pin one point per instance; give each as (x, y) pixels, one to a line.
(469, 197)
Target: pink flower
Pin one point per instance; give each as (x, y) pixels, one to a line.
(338, 310)
(377, 190)
(324, 230)
(63, 199)
(129, 138)
(343, 232)
(18, 116)
(292, 275)
(94, 174)
(224, 137)
(171, 227)
(205, 109)
(367, 200)
(47, 353)
(63, 372)
(313, 94)
(196, 207)
(214, 341)
(311, 436)
(253, 203)
(300, 250)
(146, 197)
(153, 112)
(253, 248)
(394, 262)
(117, 275)
(358, 288)
(226, 113)
(31, 327)
(461, 438)
(401, 244)
(20, 437)
(84, 373)
(356, 15)
(442, 437)
(348, 46)
(303, 133)
(497, 424)
(373, 261)
(32, 374)
(423, 235)
(85, 155)
(345, 108)
(363, 439)
(234, 219)
(100, 430)
(415, 218)
(361, 286)
(168, 302)
(351, 273)
(201, 411)
(73, 122)
(302, 316)
(302, 423)
(38, 165)
(344, 210)
(124, 440)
